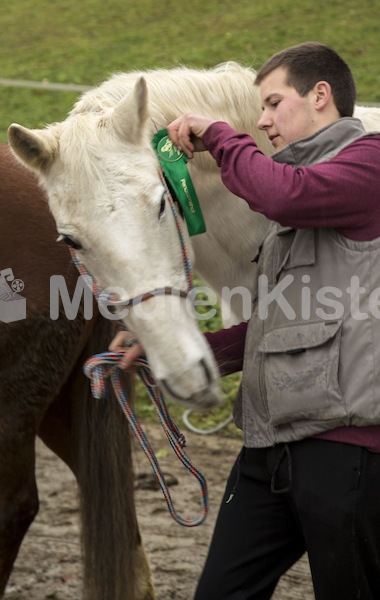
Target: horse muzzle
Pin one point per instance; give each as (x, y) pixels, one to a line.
(197, 388)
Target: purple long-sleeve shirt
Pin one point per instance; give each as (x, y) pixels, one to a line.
(343, 193)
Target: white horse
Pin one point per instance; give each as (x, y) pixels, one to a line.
(104, 190)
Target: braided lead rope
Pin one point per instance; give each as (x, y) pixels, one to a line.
(104, 365)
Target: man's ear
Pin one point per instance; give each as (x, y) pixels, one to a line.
(323, 94)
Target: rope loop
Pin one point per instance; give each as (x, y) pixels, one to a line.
(102, 366)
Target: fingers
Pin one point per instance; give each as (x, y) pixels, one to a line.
(131, 353)
(117, 344)
(173, 131)
(179, 132)
(187, 132)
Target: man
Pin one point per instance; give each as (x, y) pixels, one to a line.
(307, 478)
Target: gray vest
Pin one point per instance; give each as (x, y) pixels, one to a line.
(312, 355)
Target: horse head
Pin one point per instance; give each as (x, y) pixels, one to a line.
(106, 195)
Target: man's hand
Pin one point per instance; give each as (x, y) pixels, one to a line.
(131, 353)
(187, 132)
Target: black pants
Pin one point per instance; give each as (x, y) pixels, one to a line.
(314, 495)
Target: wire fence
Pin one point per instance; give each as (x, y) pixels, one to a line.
(45, 85)
(72, 87)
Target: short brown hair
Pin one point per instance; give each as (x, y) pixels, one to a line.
(308, 63)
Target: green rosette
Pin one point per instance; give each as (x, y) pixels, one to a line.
(173, 163)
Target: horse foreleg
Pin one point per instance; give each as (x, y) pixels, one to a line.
(18, 496)
(55, 430)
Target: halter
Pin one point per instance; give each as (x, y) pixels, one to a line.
(161, 291)
(104, 365)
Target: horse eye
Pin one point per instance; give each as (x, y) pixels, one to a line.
(162, 207)
(70, 242)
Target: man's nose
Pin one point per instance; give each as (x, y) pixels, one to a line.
(264, 122)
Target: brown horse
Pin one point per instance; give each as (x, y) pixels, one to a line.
(44, 392)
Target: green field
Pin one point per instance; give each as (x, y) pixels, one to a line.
(67, 41)
(71, 42)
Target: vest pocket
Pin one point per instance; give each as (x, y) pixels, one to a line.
(301, 364)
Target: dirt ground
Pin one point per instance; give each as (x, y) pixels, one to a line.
(48, 565)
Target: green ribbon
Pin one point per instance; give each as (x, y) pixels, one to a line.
(173, 163)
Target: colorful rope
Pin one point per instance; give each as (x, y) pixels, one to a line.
(104, 365)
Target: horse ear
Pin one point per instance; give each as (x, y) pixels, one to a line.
(34, 148)
(131, 112)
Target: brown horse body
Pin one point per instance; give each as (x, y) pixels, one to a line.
(44, 392)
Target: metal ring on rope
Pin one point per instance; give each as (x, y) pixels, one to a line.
(191, 427)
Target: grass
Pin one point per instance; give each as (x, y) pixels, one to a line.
(67, 41)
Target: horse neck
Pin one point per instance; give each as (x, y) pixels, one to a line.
(226, 216)
(224, 253)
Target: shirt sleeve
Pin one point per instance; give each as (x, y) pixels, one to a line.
(343, 192)
(228, 348)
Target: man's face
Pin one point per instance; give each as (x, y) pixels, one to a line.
(287, 117)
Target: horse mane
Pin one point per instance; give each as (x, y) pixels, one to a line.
(226, 93)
